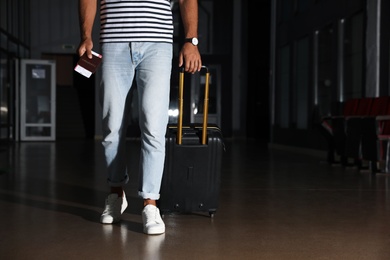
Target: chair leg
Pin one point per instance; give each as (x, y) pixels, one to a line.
(330, 157)
(373, 167)
(387, 166)
(344, 160)
(358, 163)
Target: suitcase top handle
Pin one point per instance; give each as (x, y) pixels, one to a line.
(205, 106)
(204, 67)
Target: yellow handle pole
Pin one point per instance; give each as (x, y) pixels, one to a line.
(180, 103)
(205, 108)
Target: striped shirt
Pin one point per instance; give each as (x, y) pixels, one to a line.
(136, 20)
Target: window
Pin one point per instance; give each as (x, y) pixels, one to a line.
(353, 57)
(284, 91)
(302, 75)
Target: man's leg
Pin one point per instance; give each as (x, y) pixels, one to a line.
(118, 74)
(153, 82)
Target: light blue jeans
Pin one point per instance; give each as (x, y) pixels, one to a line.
(150, 65)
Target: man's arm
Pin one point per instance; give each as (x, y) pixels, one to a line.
(189, 56)
(87, 13)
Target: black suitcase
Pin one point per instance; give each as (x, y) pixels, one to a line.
(192, 172)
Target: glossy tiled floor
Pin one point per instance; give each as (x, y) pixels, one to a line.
(274, 204)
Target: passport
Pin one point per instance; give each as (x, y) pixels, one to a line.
(86, 66)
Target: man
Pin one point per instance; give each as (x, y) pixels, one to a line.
(136, 43)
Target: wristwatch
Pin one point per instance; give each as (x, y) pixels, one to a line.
(193, 40)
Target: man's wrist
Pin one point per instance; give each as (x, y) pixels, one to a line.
(192, 40)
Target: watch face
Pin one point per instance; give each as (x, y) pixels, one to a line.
(195, 41)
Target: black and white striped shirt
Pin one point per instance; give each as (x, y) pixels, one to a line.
(136, 20)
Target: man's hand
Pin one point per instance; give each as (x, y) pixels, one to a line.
(85, 46)
(189, 58)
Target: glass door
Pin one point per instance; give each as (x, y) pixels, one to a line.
(326, 79)
(37, 100)
(198, 81)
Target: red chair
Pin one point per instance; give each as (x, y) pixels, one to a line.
(354, 129)
(333, 128)
(351, 142)
(376, 135)
(350, 108)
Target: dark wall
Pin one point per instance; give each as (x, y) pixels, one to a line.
(384, 57)
(257, 30)
(317, 16)
(222, 54)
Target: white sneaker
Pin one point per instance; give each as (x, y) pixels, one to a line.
(153, 223)
(113, 209)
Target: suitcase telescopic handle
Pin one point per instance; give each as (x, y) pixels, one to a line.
(205, 105)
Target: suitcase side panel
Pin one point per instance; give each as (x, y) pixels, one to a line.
(192, 173)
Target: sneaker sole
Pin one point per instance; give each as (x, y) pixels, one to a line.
(154, 231)
(109, 221)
